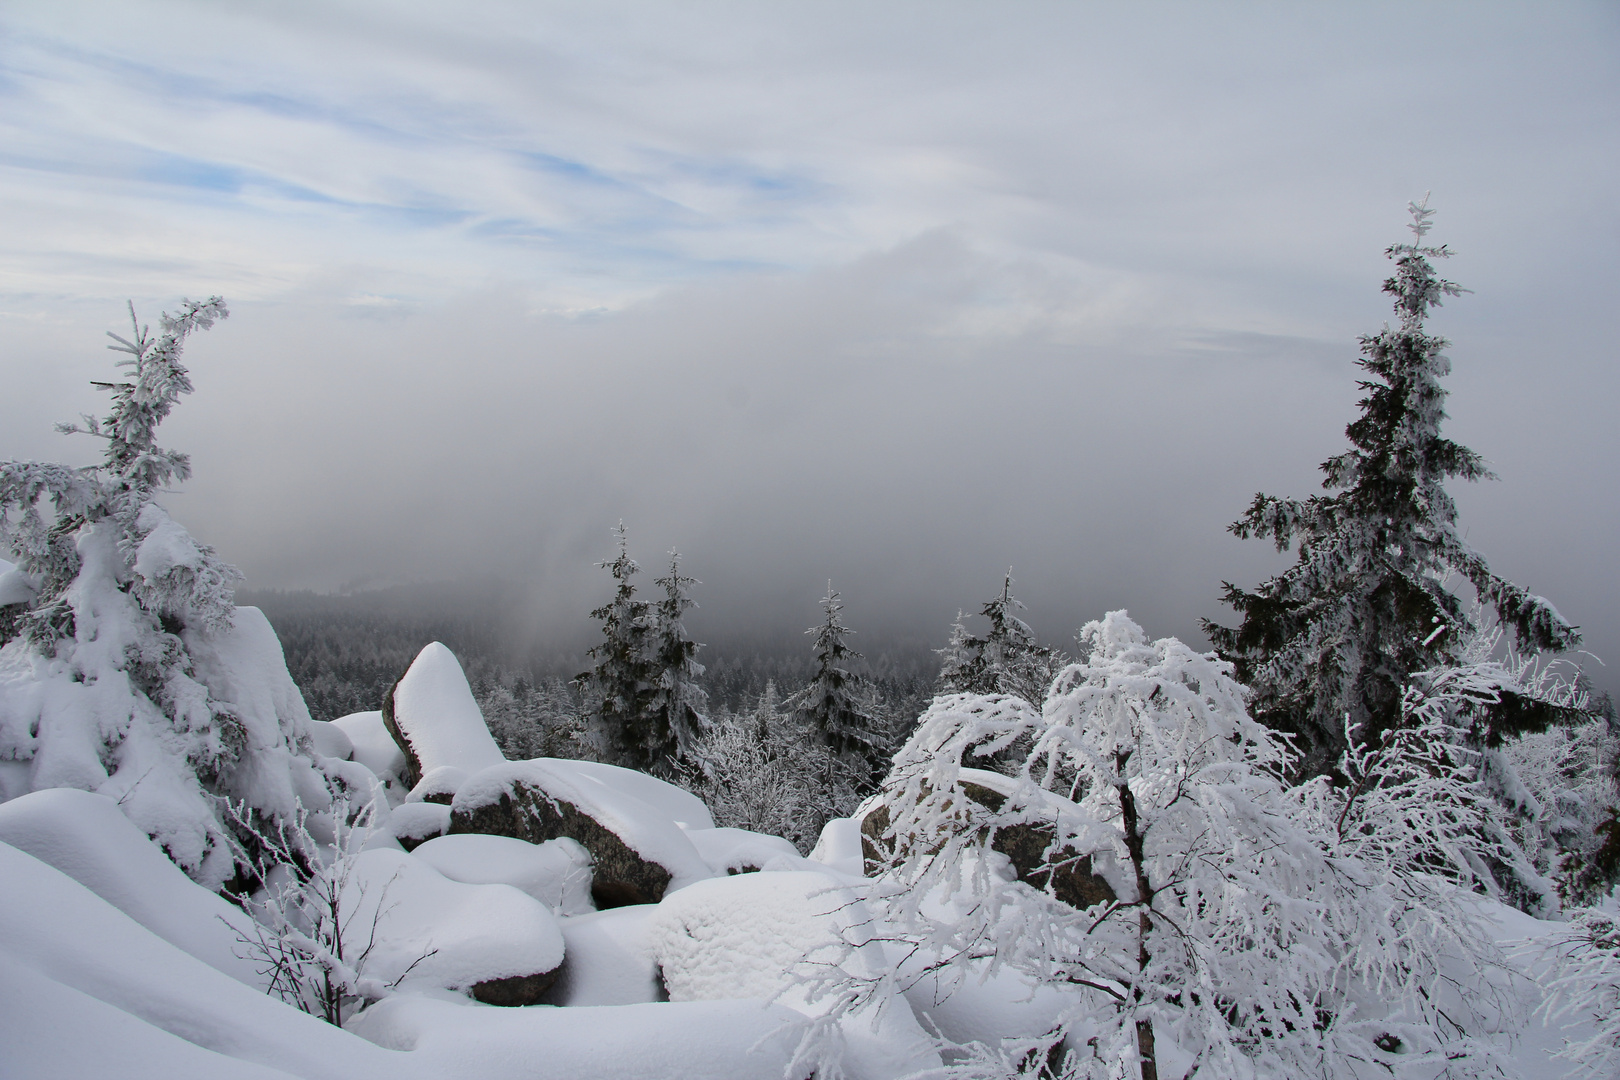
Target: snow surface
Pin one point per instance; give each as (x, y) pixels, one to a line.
(331, 741)
(702, 1040)
(166, 545)
(15, 587)
(556, 873)
(454, 934)
(677, 804)
(435, 711)
(85, 991)
(609, 959)
(758, 935)
(88, 838)
(731, 851)
(418, 820)
(73, 947)
(442, 781)
(373, 746)
(645, 830)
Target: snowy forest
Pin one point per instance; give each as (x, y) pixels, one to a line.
(1374, 832)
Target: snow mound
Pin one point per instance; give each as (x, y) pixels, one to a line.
(759, 935)
(331, 741)
(557, 873)
(839, 847)
(15, 586)
(706, 1040)
(609, 959)
(677, 804)
(92, 977)
(416, 822)
(438, 785)
(88, 838)
(735, 851)
(455, 935)
(431, 712)
(373, 746)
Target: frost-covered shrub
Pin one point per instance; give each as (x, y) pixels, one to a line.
(759, 771)
(1257, 929)
(132, 673)
(1584, 984)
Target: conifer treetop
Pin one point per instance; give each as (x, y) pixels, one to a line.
(1367, 603)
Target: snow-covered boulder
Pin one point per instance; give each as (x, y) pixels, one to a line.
(739, 851)
(88, 838)
(609, 959)
(760, 935)
(417, 822)
(557, 873)
(1025, 844)
(679, 805)
(492, 940)
(637, 853)
(438, 785)
(431, 713)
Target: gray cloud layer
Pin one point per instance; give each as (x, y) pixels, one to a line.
(898, 296)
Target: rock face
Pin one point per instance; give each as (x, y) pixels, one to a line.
(431, 714)
(636, 854)
(1025, 846)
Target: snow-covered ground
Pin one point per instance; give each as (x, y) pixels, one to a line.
(113, 962)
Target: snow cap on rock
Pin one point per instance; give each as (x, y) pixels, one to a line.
(432, 714)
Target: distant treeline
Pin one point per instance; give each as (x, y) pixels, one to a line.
(345, 651)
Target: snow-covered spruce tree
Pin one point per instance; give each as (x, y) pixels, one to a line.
(1366, 603)
(132, 673)
(1006, 660)
(831, 706)
(1244, 936)
(676, 705)
(621, 684)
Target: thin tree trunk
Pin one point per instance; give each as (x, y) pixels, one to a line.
(1134, 846)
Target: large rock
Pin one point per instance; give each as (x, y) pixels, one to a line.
(1071, 880)
(637, 853)
(425, 930)
(431, 714)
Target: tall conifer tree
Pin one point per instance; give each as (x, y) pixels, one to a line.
(1366, 605)
(830, 706)
(676, 704)
(623, 679)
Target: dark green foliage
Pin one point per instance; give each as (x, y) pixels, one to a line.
(832, 706)
(675, 707)
(1006, 660)
(622, 684)
(1366, 603)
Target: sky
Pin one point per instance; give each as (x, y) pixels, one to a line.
(897, 295)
